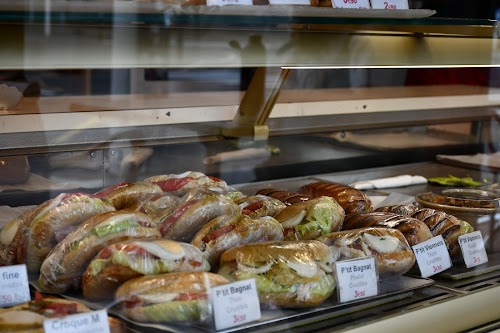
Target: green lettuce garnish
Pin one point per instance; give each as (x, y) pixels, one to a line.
(454, 181)
(319, 216)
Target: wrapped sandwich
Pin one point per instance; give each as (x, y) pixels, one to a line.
(389, 247)
(287, 273)
(122, 261)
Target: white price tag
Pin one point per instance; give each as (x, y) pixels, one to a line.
(235, 304)
(290, 2)
(14, 285)
(356, 279)
(432, 256)
(358, 4)
(390, 4)
(473, 250)
(95, 322)
(229, 2)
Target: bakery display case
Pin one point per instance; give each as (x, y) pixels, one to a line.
(101, 95)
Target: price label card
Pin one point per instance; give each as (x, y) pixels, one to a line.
(473, 250)
(229, 2)
(14, 285)
(358, 4)
(235, 304)
(432, 256)
(95, 322)
(356, 279)
(390, 4)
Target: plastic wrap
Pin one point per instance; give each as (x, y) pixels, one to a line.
(53, 222)
(156, 204)
(287, 273)
(288, 198)
(415, 231)
(225, 232)
(65, 264)
(197, 208)
(260, 205)
(438, 222)
(123, 261)
(181, 184)
(351, 199)
(173, 297)
(389, 247)
(126, 195)
(311, 219)
(11, 234)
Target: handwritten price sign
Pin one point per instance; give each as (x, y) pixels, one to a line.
(473, 250)
(356, 279)
(14, 285)
(235, 304)
(390, 4)
(432, 256)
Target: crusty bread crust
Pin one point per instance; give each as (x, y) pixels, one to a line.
(248, 230)
(128, 196)
(181, 282)
(351, 199)
(193, 219)
(415, 231)
(269, 251)
(103, 285)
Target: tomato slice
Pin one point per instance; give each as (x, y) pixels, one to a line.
(191, 296)
(110, 189)
(38, 296)
(175, 216)
(252, 207)
(62, 309)
(215, 179)
(173, 184)
(217, 233)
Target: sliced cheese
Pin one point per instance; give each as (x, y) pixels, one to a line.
(158, 297)
(165, 249)
(255, 270)
(8, 232)
(382, 244)
(305, 269)
(293, 221)
(182, 175)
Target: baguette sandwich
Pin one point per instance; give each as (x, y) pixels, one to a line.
(228, 231)
(172, 297)
(51, 224)
(287, 273)
(260, 205)
(126, 195)
(64, 266)
(122, 261)
(311, 219)
(197, 208)
(389, 247)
